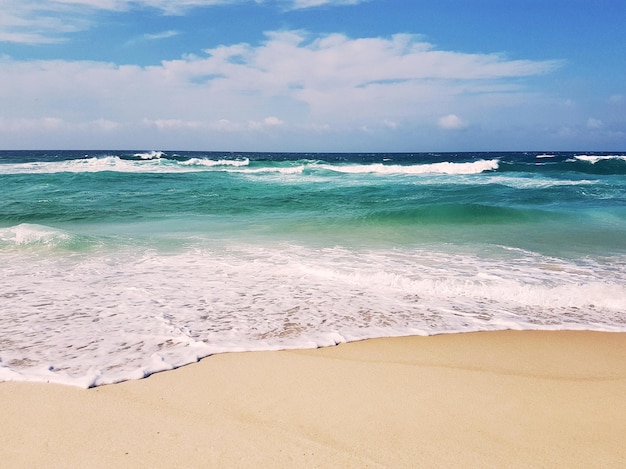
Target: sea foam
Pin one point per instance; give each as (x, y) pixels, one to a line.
(150, 155)
(111, 316)
(474, 167)
(593, 159)
(213, 163)
(27, 234)
(158, 164)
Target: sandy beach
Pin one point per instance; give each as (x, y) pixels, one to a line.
(495, 399)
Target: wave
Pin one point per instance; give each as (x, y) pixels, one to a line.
(150, 155)
(33, 237)
(561, 164)
(281, 170)
(155, 162)
(598, 164)
(377, 165)
(85, 165)
(537, 183)
(118, 164)
(27, 234)
(213, 163)
(593, 159)
(446, 167)
(453, 214)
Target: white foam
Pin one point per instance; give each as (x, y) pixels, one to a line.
(593, 159)
(107, 316)
(150, 155)
(534, 182)
(86, 165)
(213, 163)
(446, 167)
(32, 234)
(157, 164)
(145, 165)
(286, 170)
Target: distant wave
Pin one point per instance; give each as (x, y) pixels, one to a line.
(599, 164)
(276, 169)
(150, 155)
(213, 163)
(593, 159)
(474, 167)
(154, 162)
(536, 183)
(159, 162)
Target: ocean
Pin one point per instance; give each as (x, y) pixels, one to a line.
(115, 265)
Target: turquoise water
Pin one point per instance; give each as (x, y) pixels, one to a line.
(115, 265)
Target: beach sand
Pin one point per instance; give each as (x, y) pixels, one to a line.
(494, 399)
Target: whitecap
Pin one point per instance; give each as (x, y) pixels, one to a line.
(212, 163)
(28, 234)
(150, 155)
(593, 159)
(446, 167)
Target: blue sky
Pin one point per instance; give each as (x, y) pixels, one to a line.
(313, 75)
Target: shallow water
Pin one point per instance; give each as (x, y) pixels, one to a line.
(115, 265)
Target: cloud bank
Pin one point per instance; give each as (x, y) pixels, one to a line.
(51, 21)
(291, 82)
(451, 122)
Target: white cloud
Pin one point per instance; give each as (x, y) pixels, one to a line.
(24, 124)
(103, 124)
(451, 122)
(272, 121)
(289, 83)
(299, 4)
(37, 22)
(50, 21)
(123, 5)
(152, 37)
(593, 123)
(345, 77)
(220, 125)
(161, 35)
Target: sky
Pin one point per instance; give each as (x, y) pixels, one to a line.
(313, 75)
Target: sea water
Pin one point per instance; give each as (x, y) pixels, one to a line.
(116, 265)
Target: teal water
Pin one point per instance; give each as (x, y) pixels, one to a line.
(526, 203)
(146, 261)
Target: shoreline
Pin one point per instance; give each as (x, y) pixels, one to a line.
(482, 399)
